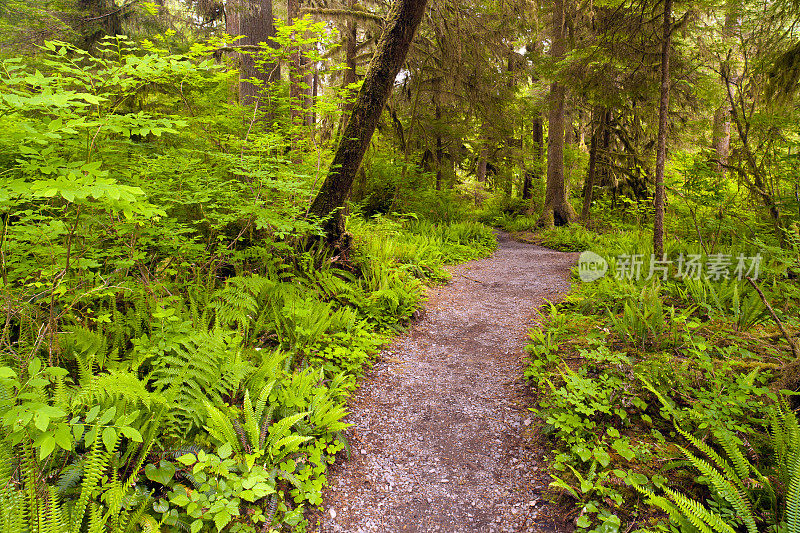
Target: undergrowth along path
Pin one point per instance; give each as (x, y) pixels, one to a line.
(439, 437)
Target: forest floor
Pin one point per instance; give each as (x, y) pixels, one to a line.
(442, 439)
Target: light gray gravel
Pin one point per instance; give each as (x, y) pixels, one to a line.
(439, 424)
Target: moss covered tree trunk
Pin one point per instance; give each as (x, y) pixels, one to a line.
(401, 24)
(557, 209)
(588, 186)
(661, 150)
(253, 20)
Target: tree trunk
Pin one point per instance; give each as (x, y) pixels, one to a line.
(439, 148)
(483, 155)
(557, 209)
(721, 131)
(527, 185)
(254, 21)
(601, 139)
(757, 185)
(401, 24)
(661, 152)
(537, 137)
(588, 186)
(721, 137)
(295, 67)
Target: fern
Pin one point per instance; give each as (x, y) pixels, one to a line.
(726, 488)
(221, 428)
(206, 367)
(96, 462)
(698, 515)
(727, 479)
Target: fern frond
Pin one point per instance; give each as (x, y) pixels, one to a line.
(95, 463)
(221, 428)
(250, 420)
(731, 473)
(738, 499)
(793, 496)
(728, 441)
(700, 517)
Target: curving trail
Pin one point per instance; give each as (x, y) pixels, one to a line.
(439, 436)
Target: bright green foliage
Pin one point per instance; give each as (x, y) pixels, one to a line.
(685, 339)
(760, 499)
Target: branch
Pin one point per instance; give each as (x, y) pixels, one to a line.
(344, 13)
(792, 345)
(111, 14)
(239, 48)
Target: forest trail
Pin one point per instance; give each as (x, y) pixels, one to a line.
(439, 423)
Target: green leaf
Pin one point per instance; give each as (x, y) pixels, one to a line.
(41, 420)
(623, 448)
(131, 433)
(161, 474)
(92, 414)
(180, 499)
(222, 518)
(63, 437)
(107, 416)
(47, 446)
(225, 451)
(187, 459)
(110, 438)
(602, 456)
(34, 366)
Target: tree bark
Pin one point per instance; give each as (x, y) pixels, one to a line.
(601, 139)
(254, 21)
(537, 137)
(401, 24)
(439, 147)
(661, 151)
(483, 156)
(588, 187)
(721, 130)
(721, 137)
(295, 64)
(557, 209)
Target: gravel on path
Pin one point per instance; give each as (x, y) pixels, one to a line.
(439, 423)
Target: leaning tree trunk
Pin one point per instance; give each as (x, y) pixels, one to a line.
(439, 147)
(557, 209)
(401, 24)
(661, 153)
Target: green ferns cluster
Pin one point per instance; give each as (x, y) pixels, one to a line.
(759, 498)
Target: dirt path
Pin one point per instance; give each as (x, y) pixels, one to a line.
(438, 436)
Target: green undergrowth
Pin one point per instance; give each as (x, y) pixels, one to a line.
(667, 403)
(209, 404)
(175, 349)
